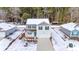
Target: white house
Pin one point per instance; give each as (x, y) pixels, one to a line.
(6, 29)
(71, 29)
(39, 28)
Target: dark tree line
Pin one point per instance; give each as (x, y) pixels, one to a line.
(55, 14)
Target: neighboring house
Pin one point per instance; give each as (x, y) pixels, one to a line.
(39, 28)
(71, 29)
(6, 29)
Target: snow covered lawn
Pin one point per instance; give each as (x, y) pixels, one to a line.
(75, 45)
(18, 45)
(4, 44)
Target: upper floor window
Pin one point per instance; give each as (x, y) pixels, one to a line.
(47, 28)
(40, 28)
(29, 26)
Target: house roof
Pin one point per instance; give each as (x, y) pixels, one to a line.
(5, 26)
(43, 23)
(15, 35)
(70, 26)
(37, 21)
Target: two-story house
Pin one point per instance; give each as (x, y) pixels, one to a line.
(39, 28)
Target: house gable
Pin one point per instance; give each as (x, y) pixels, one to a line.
(43, 23)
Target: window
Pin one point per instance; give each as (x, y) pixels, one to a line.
(29, 32)
(34, 26)
(40, 28)
(29, 26)
(47, 28)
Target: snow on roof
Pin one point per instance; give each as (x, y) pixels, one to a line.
(21, 26)
(70, 26)
(4, 44)
(5, 26)
(37, 21)
(15, 35)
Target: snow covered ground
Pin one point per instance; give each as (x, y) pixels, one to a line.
(75, 45)
(4, 44)
(63, 45)
(18, 45)
(58, 42)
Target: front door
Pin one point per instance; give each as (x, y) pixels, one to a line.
(35, 33)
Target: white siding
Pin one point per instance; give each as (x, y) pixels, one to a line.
(43, 33)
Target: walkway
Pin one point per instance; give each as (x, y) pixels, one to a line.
(44, 45)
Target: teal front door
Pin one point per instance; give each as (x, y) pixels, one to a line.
(35, 33)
